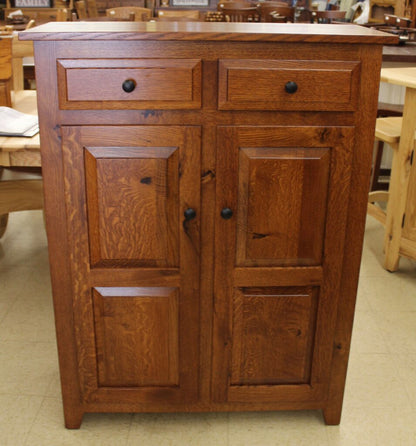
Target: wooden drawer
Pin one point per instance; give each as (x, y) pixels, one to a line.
(158, 83)
(288, 85)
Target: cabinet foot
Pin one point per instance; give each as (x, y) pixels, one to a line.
(73, 420)
(332, 415)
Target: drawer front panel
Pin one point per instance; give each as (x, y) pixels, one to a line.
(288, 85)
(157, 83)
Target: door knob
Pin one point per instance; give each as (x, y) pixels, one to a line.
(129, 85)
(291, 87)
(226, 213)
(189, 214)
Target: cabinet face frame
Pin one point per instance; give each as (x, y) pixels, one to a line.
(243, 156)
(100, 288)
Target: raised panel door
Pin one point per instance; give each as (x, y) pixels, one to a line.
(278, 257)
(135, 257)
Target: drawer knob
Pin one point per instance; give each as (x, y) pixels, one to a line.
(291, 87)
(189, 214)
(129, 85)
(226, 213)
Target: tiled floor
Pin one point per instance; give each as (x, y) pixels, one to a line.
(380, 398)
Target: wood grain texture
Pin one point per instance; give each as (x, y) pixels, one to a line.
(289, 186)
(159, 83)
(273, 335)
(321, 85)
(132, 199)
(264, 32)
(137, 336)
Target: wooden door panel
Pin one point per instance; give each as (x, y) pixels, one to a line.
(273, 333)
(127, 188)
(276, 289)
(132, 196)
(284, 191)
(137, 336)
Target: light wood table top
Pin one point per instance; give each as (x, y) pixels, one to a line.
(21, 151)
(399, 76)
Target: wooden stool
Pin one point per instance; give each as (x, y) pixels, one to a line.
(387, 131)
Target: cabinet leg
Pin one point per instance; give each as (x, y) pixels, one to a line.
(332, 415)
(73, 419)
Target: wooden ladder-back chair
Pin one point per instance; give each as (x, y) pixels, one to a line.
(328, 16)
(133, 13)
(269, 10)
(20, 188)
(239, 11)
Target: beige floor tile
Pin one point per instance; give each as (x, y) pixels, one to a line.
(399, 330)
(304, 428)
(378, 427)
(367, 336)
(406, 365)
(17, 414)
(97, 429)
(12, 280)
(29, 320)
(27, 368)
(373, 383)
(390, 293)
(202, 429)
(54, 387)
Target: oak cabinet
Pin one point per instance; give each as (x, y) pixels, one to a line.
(205, 199)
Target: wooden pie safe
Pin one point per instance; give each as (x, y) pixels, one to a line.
(205, 195)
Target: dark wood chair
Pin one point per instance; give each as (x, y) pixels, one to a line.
(328, 16)
(239, 11)
(270, 12)
(132, 13)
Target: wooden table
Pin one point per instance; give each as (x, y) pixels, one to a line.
(21, 151)
(400, 237)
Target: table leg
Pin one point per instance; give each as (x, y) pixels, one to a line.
(399, 182)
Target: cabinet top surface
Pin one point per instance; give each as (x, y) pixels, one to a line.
(205, 31)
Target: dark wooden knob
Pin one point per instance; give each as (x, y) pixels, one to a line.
(189, 214)
(226, 213)
(291, 87)
(129, 85)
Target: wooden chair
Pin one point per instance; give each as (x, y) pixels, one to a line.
(20, 49)
(184, 13)
(81, 9)
(133, 13)
(328, 16)
(20, 188)
(269, 11)
(239, 12)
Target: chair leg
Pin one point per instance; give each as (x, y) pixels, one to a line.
(376, 167)
(3, 224)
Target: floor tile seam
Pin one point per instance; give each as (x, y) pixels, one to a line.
(25, 442)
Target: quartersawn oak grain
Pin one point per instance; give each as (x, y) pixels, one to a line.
(161, 304)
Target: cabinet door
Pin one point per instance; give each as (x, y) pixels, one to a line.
(282, 195)
(133, 227)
